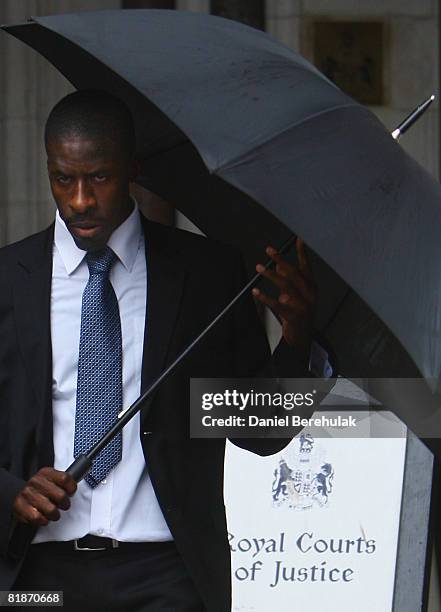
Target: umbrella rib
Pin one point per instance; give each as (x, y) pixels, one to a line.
(235, 161)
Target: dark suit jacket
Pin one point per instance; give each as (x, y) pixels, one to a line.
(189, 279)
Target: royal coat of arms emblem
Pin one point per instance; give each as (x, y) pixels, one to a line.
(305, 479)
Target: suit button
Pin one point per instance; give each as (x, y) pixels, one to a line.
(146, 433)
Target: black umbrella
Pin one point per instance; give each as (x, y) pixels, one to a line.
(248, 139)
(251, 142)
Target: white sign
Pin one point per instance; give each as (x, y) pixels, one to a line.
(315, 527)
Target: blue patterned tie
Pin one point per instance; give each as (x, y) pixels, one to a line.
(99, 386)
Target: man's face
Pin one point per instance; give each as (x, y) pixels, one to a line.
(90, 183)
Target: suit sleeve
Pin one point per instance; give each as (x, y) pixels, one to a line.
(11, 482)
(10, 486)
(14, 537)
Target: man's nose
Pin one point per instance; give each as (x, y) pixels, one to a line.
(83, 197)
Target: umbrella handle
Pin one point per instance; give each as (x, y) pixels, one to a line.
(80, 467)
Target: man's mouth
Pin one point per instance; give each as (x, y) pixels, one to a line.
(84, 229)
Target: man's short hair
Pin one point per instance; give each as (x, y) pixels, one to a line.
(93, 114)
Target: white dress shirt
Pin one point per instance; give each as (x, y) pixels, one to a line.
(124, 505)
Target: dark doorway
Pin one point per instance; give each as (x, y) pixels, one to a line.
(158, 4)
(250, 13)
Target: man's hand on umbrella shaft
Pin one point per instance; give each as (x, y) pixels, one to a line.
(43, 496)
(295, 306)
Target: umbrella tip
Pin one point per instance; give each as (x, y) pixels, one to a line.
(432, 97)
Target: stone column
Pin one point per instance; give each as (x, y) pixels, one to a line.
(197, 6)
(283, 21)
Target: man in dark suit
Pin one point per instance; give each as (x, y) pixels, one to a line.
(91, 311)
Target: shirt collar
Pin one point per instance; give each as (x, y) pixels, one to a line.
(124, 241)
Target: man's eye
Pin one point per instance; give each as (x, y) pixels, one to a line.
(62, 179)
(100, 178)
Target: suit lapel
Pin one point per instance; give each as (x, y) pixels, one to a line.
(32, 291)
(165, 282)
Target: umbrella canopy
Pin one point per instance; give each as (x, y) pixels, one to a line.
(251, 142)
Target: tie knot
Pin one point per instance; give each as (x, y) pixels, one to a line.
(100, 262)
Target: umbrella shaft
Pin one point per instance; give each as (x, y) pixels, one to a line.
(81, 466)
